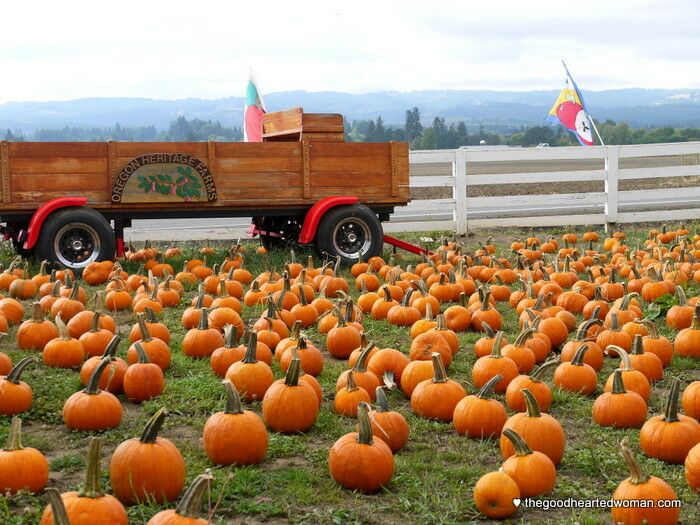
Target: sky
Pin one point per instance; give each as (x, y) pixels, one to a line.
(53, 50)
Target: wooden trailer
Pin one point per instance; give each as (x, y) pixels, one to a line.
(70, 201)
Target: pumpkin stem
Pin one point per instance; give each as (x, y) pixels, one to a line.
(487, 328)
(361, 364)
(233, 399)
(533, 408)
(145, 334)
(141, 353)
(58, 509)
(62, 329)
(523, 336)
(583, 327)
(191, 501)
(231, 336)
(618, 384)
(625, 363)
(696, 318)
(112, 347)
(382, 400)
(521, 447)
(37, 313)
(150, 432)
(651, 325)
(365, 435)
(91, 489)
(14, 438)
(291, 378)
(204, 319)
(388, 380)
(92, 388)
(486, 390)
(637, 475)
(250, 354)
(637, 346)
(496, 346)
(16, 372)
(671, 412)
(351, 385)
(535, 376)
(439, 376)
(614, 323)
(74, 292)
(578, 357)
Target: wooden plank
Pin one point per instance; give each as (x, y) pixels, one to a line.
(655, 150)
(539, 221)
(60, 165)
(355, 164)
(112, 162)
(306, 170)
(432, 181)
(422, 226)
(267, 182)
(544, 201)
(257, 150)
(659, 172)
(539, 177)
(351, 179)
(394, 148)
(379, 193)
(35, 150)
(661, 216)
(438, 156)
(37, 197)
(655, 195)
(75, 183)
(323, 150)
(134, 149)
(229, 195)
(4, 171)
(211, 157)
(259, 164)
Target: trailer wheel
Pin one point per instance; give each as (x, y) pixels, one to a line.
(285, 232)
(75, 237)
(350, 231)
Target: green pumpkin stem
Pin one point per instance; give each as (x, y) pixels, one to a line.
(14, 438)
(537, 374)
(671, 412)
(231, 336)
(533, 408)
(523, 336)
(92, 488)
(152, 428)
(351, 386)
(204, 319)
(93, 385)
(58, 509)
(112, 347)
(496, 346)
(141, 353)
(16, 372)
(486, 390)
(361, 364)
(487, 328)
(251, 350)
(440, 375)
(618, 385)
(191, 501)
(578, 357)
(291, 378)
(519, 444)
(145, 334)
(637, 346)
(637, 475)
(382, 399)
(583, 327)
(233, 399)
(365, 435)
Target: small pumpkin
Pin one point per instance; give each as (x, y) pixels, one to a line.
(515, 399)
(92, 408)
(576, 376)
(290, 405)
(15, 395)
(143, 380)
(251, 377)
(388, 425)
(494, 364)
(149, 468)
(157, 350)
(691, 400)
(348, 397)
(533, 471)
(34, 333)
(437, 398)
(188, 510)
(95, 340)
(478, 416)
(360, 460)
(692, 468)
(63, 351)
(632, 379)
(495, 494)
(619, 408)
(112, 378)
(21, 468)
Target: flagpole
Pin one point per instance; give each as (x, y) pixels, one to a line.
(582, 103)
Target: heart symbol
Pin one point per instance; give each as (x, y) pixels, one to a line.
(516, 502)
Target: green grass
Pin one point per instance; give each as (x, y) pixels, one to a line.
(434, 474)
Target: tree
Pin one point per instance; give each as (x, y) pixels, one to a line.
(429, 139)
(379, 131)
(413, 128)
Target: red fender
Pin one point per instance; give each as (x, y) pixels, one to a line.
(41, 214)
(316, 213)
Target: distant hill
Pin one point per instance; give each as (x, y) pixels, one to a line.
(495, 110)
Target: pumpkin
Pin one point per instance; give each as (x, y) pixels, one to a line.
(484, 345)
(360, 460)
(21, 468)
(414, 373)
(515, 398)
(290, 405)
(478, 416)
(657, 344)
(494, 495)
(619, 408)
(614, 336)
(224, 356)
(632, 379)
(143, 380)
(519, 353)
(494, 364)
(541, 431)
(149, 468)
(188, 509)
(5, 364)
(95, 340)
(388, 425)
(92, 408)
(437, 398)
(427, 343)
(348, 397)
(201, 342)
(486, 314)
(388, 360)
(687, 341)
(251, 377)
(533, 471)
(234, 436)
(342, 339)
(641, 487)
(691, 400)
(157, 350)
(112, 378)
(669, 437)
(155, 328)
(362, 377)
(89, 506)
(63, 351)
(576, 376)
(34, 333)
(692, 468)
(647, 363)
(82, 322)
(68, 307)
(15, 395)
(118, 298)
(593, 355)
(311, 358)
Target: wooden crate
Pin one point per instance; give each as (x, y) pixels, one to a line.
(295, 125)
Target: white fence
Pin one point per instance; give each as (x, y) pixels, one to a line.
(452, 173)
(514, 167)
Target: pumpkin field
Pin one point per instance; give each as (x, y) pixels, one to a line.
(237, 386)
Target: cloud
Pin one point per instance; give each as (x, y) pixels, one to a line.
(179, 49)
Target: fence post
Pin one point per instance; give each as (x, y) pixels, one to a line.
(612, 155)
(459, 190)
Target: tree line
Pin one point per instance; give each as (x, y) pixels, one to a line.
(439, 135)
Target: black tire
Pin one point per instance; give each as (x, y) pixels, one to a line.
(288, 229)
(348, 231)
(75, 237)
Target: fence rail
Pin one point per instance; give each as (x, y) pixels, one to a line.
(511, 170)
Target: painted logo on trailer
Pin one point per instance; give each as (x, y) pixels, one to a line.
(164, 177)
